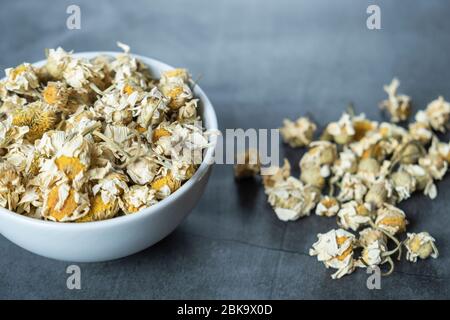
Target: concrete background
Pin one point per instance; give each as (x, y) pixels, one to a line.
(260, 61)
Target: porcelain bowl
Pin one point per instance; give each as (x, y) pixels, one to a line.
(121, 236)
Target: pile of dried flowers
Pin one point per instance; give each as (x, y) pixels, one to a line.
(90, 139)
(358, 171)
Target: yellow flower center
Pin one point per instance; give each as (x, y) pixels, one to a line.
(68, 207)
(158, 133)
(128, 89)
(167, 180)
(71, 166)
(98, 208)
(349, 250)
(50, 94)
(17, 71)
(394, 221)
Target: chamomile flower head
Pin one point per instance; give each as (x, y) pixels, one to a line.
(36, 117)
(397, 105)
(138, 198)
(64, 203)
(327, 206)
(354, 215)
(21, 79)
(299, 133)
(391, 219)
(342, 131)
(335, 249)
(420, 245)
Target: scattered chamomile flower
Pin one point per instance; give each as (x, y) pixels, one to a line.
(420, 245)
(335, 250)
(398, 106)
(299, 133)
(391, 219)
(369, 235)
(437, 114)
(352, 187)
(327, 207)
(342, 131)
(354, 215)
(404, 184)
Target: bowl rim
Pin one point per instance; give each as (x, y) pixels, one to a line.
(210, 124)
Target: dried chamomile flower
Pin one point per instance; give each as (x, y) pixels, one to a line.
(248, 164)
(11, 103)
(437, 114)
(288, 199)
(351, 188)
(315, 164)
(165, 184)
(36, 117)
(398, 106)
(420, 131)
(74, 158)
(64, 203)
(138, 198)
(380, 191)
(320, 153)
(353, 215)
(368, 169)
(111, 187)
(299, 133)
(404, 184)
(57, 60)
(424, 181)
(182, 171)
(327, 206)
(177, 91)
(435, 165)
(188, 111)
(30, 203)
(391, 219)
(409, 152)
(373, 254)
(56, 94)
(10, 133)
(24, 158)
(150, 111)
(127, 67)
(99, 210)
(342, 131)
(369, 235)
(78, 73)
(335, 250)
(21, 79)
(314, 175)
(441, 149)
(347, 162)
(11, 186)
(143, 170)
(116, 107)
(420, 245)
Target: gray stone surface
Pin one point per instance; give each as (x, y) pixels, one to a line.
(260, 62)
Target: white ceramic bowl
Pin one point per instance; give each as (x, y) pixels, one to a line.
(121, 236)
